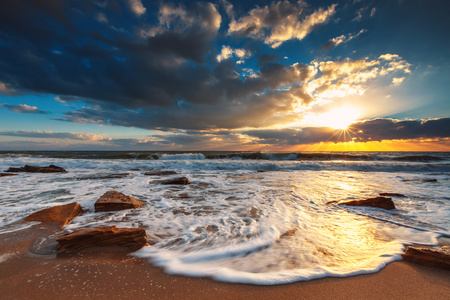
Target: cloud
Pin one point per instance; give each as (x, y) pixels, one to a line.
(137, 7)
(279, 22)
(351, 77)
(168, 70)
(389, 56)
(372, 130)
(228, 52)
(56, 135)
(389, 129)
(361, 12)
(366, 131)
(397, 80)
(129, 62)
(265, 98)
(6, 90)
(24, 108)
(342, 39)
(250, 98)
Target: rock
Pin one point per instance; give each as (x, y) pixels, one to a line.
(160, 173)
(392, 195)
(7, 174)
(421, 180)
(34, 169)
(104, 176)
(61, 214)
(428, 256)
(380, 202)
(113, 200)
(178, 180)
(289, 233)
(134, 238)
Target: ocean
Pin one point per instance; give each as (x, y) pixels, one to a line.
(258, 218)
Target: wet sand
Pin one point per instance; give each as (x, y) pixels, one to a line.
(29, 270)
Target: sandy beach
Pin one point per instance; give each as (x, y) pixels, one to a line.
(29, 271)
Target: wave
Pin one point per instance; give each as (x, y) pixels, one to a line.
(424, 157)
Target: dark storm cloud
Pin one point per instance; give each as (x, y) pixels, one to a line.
(160, 63)
(388, 129)
(59, 47)
(267, 58)
(24, 108)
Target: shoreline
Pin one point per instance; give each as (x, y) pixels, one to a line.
(29, 271)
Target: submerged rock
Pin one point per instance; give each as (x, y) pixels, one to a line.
(35, 169)
(428, 256)
(178, 180)
(113, 200)
(160, 173)
(133, 238)
(379, 202)
(61, 214)
(392, 195)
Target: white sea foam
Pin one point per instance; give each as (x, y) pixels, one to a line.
(239, 225)
(186, 156)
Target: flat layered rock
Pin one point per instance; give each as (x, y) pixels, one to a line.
(428, 256)
(35, 169)
(113, 200)
(133, 238)
(7, 174)
(104, 176)
(421, 180)
(160, 173)
(379, 202)
(178, 180)
(392, 195)
(61, 214)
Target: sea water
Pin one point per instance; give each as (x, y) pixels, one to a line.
(259, 218)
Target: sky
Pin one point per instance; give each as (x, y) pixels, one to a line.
(138, 75)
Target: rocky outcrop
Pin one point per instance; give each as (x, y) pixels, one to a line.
(133, 238)
(7, 174)
(178, 180)
(113, 200)
(61, 214)
(428, 256)
(160, 173)
(34, 169)
(379, 202)
(392, 195)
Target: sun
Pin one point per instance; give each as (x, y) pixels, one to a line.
(338, 118)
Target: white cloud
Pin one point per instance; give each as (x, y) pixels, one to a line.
(397, 80)
(5, 89)
(342, 39)
(137, 7)
(389, 56)
(24, 108)
(279, 22)
(57, 135)
(228, 52)
(352, 77)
